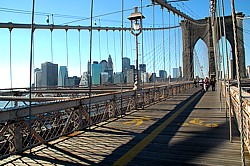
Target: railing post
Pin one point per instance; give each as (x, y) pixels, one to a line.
(17, 138)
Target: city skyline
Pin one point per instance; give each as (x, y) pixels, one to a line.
(51, 74)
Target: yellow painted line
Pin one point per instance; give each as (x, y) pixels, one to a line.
(127, 157)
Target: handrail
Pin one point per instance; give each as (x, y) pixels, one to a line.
(51, 120)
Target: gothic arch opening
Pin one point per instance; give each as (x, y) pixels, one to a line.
(224, 51)
(200, 59)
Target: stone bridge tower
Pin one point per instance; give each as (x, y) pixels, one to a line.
(201, 29)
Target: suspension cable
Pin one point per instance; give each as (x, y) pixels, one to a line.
(30, 74)
(79, 50)
(163, 43)
(169, 48)
(67, 48)
(90, 56)
(10, 58)
(107, 41)
(122, 44)
(142, 60)
(239, 83)
(99, 41)
(175, 56)
(227, 69)
(219, 52)
(179, 47)
(114, 49)
(51, 44)
(154, 43)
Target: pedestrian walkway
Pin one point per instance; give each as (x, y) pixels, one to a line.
(188, 129)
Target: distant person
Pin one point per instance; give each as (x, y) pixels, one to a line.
(206, 84)
(201, 83)
(195, 83)
(212, 83)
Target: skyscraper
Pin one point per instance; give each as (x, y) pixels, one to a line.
(130, 76)
(125, 64)
(72, 81)
(104, 65)
(38, 77)
(96, 73)
(110, 69)
(63, 75)
(175, 72)
(162, 74)
(142, 67)
(84, 79)
(49, 74)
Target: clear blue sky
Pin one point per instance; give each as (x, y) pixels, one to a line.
(68, 12)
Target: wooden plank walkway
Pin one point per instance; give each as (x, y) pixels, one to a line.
(188, 129)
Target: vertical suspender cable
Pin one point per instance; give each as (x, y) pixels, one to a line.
(99, 41)
(154, 76)
(90, 55)
(30, 74)
(114, 48)
(79, 50)
(67, 48)
(219, 61)
(107, 41)
(122, 43)
(163, 43)
(179, 50)
(142, 60)
(51, 44)
(239, 83)
(213, 22)
(10, 58)
(227, 69)
(175, 55)
(169, 59)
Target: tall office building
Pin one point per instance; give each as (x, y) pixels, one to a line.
(118, 77)
(125, 64)
(96, 73)
(72, 81)
(104, 65)
(38, 77)
(175, 72)
(63, 75)
(49, 74)
(104, 78)
(84, 79)
(152, 78)
(142, 67)
(130, 76)
(144, 77)
(110, 70)
(162, 74)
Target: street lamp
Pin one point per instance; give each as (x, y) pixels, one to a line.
(136, 24)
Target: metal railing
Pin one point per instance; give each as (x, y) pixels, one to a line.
(233, 101)
(20, 130)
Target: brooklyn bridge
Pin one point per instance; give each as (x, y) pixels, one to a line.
(174, 89)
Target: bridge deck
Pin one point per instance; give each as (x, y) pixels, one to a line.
(181, 130)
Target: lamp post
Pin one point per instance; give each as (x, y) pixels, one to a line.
(136, 24)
